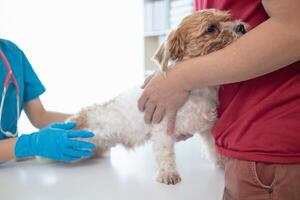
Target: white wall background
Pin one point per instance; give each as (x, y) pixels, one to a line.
(84, 51)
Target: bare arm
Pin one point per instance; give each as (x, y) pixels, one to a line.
(7, 148)
(270, 46)
(39, 116)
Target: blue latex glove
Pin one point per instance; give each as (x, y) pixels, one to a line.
(56, 142)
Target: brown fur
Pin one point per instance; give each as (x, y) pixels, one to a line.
(80, 119)
(191, 38)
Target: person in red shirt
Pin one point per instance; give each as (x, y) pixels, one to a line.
(258, 130)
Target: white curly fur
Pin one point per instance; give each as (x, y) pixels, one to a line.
(120, 122)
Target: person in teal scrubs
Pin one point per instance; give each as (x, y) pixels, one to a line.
(57, 141)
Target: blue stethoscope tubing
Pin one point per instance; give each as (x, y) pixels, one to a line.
(9, 76)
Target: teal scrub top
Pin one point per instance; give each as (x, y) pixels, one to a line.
(29, 84)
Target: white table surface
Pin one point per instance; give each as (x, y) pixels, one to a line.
(122, 175)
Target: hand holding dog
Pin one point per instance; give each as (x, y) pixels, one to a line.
(163, 96)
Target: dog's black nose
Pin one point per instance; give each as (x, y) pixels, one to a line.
(240, 29)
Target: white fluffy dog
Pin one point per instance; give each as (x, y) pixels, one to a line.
(120, 122)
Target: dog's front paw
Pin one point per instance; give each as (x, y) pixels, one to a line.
(168, 177)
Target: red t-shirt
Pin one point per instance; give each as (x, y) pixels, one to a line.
(259, 119)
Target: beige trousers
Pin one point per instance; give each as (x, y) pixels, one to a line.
(249, 180)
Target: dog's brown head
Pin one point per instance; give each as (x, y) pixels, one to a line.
(199, 34)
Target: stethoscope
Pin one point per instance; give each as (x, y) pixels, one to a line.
(9, 76)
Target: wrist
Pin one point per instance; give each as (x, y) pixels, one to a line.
(179, 73)
(26, 146)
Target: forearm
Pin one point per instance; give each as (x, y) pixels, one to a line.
(39, 116)
(7, 149)
(49, 117)
(270, 46)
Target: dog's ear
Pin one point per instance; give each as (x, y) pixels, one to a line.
(159, 56)
(175, 45)
(171, 49)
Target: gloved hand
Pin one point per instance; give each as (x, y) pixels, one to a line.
(55, 142)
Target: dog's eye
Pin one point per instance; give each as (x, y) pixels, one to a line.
(211, 29)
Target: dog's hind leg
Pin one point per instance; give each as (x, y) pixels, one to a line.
(163, 147)
(213, 155)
